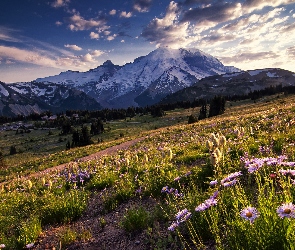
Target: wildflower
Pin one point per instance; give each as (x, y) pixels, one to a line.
(30, 184)
(183, 215)
(29, 246)
(188, 173)
(201, 207)
(49, 184)
(218, 153)
(2, 246)
(286, 210)
(214, 196)
(288, 172)
(170, 154)
(209, 145)
(249, 213)
(222, 141)
(173, 226)
(145, 158)
(177, 178)
(207, 203)
(230, 183)
(214, 159)
(213, 183)
(165, 189)
(43, 181)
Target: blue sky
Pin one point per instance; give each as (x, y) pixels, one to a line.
(40, 38)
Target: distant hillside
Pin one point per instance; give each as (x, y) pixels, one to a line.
(230, 84)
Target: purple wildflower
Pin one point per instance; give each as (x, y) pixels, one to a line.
(230, 183)
(177, 178)
(182, 215)
(288, 172)
(213, 183)
(173, 226)
(286, 210)
(249, 213)
(201, 207)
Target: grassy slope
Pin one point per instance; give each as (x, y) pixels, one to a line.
(187, 143)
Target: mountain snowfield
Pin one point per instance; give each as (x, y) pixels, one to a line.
(146, 80)
(149, 79)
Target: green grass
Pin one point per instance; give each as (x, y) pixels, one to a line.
(174, 167)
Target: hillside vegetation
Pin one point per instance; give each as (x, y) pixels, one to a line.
(225, 182)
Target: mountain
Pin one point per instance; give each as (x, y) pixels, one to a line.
(238, 83)
(145, 81)
(35, 97)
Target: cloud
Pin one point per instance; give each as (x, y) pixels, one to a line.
(142, 5)
(22, 55)
(94, 35)
(248, 57)
(126, 14)
(168, 31)
(78, 23)
(110, 38)
(87, 58)
(60, 3)
(97, 53)
(113, 12)
(58, 23)
(213, 14)
(251, 5)
(291, 52)
(6, 34)
(73, 47)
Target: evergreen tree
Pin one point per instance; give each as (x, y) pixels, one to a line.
(217, 106)
(192, 119)
(203, 112)
(2, 165)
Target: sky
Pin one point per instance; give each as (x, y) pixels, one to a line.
(40, 38)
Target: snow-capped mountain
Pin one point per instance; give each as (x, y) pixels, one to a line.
(145, 81)
(34, 97)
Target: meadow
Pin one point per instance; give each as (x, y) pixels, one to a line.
(225, 182)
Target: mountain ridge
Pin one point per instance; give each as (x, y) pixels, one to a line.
(115, 86)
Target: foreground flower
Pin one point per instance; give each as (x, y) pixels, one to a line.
(182, 215)
(286, 210)
(173, 226)
(2, 246)
(29, 246)
(249, 213)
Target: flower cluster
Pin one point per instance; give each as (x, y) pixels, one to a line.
(180, 217)
(255, 164)
(212, 201)
(231, 179)
(286, 210)
(173, 191)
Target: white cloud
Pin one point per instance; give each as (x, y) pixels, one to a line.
(58, 23)
(97, 53)
(126, 14)
(113, 12)
(13, 53)
(87, 58)
(110, 38)
(123, 41)
(59, 3)
(73, 47)
(142, 5)
(78, 23)
(94, 35)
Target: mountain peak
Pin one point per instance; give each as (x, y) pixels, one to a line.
(108, 63)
